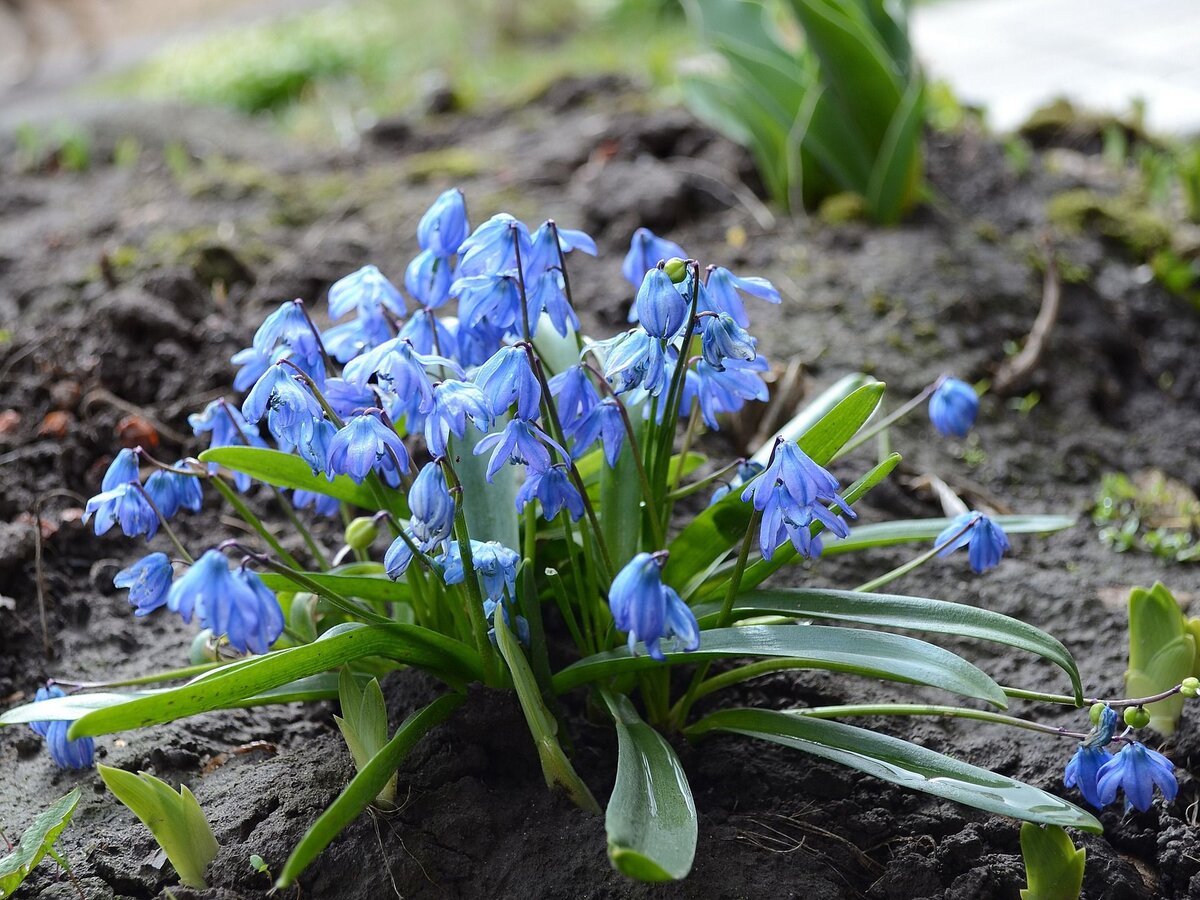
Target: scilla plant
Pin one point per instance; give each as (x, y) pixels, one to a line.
(528, 483)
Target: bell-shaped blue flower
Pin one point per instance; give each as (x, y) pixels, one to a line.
(646, 249)
(554, 490)
(444, 226)
(148, 581)
(494, 298)
(476, 343)
(197, 588)
(122, 470)
(492, 248)
(723, 290)
(361, 444)
(953, 407)
(574, 395)
(985, 541)
(364, 332)
(398, 556)
(603, 422)
(508, 378)
(428, 334)
(174, 490)
(291, 410)
(649, 610)
(288, 325)
(520, 443)
(227, 428)
(66, 753)
(722, 338)
(495, 564)
(451, 404)
(432, 507)
(544, 253)
(635, 359)
(428, 279)
(1136, 770)
(252, 365)
(547, 294)
(726, 390)
(1083, 771)
(124, 505)
(660, 309)
(250, 618)
(368, 291)
(397, 365)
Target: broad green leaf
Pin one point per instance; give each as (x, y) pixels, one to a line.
(699, 548)
(287, 470)
(1162, 652)
(36, 842)
(363, 723)
(651, 818)
(901, 762)
(621, 503)
(421, 648)
(175, 820)
(872, 654)
(1053, 865)
(380, 589)
(908, 531)
(896, 174)
(490, 506)
(364, 787)
(816, 410)
(896, 611)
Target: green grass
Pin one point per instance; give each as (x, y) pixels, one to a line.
(374, 55)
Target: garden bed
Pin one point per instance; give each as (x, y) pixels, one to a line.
(107, 281)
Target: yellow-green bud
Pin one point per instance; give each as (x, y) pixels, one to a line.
(1095, 711)
(676, 269)
(361, 533)
(1190, 687)
(1136, 717)
(203, 649)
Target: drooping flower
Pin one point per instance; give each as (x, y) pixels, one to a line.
(574, 393)
(252, 366)
(660, 309)
(291, 410)
(722, 339)
(428, 334)
(520, 443)
(492, 247)
(544, 254)
(495, 298)
(227, 428)
(398, 556)
(1136, 770)
(289, 325)
(451, 404)
(547, 293)
(554, 490)
(985, 541)
(1084, 769)
(444, 226)
(495, 564)
(148, 581)
(361, 444)
(648, 609)
(368, 291)
(235, 605)
(364, 332)
(953, 407)
(476, 343)
(725, 390)
(174, 490)
(432, 507)
(315, 451)
(645, 250)
(1104, 729)
(398, 365)
(722, 293)
(508, 378)
(604, 422)
(198, 587)
(635, 359)
(66, 753)
(427, 278)
(124, 505)
(745, 473)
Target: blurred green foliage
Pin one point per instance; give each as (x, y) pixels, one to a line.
(1149, 512)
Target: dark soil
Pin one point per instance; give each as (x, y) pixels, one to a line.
(125, 289)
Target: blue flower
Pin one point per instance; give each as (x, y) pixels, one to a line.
(635, 359)
(427, 278)
(322, 504)
(721, 294)
(227, 427)
(422, 328)
(397, 365)
(660, 309)
(605, 422)
(236, 605)
(1136, 769)
(725, 390)
(553, 488)
(477, 343)
(574, 393)
(783, 519)
(495, 564)
(289, 325)
(124, 505)
(253, 364)
(366, 290)
(345, 398)
(361, 444)
(292, 411)
(494, 298)
(199, 586)
(645, 250)
(444, 226)
(985, 541)
(67, 754)
(953, 407)
(1102, 732)
(122, 470)
(148, 580)
(492, 248)
(507, 378)
(648, 609)
(451, 404)
(489, 613)
(1084, 769)
(547, 293)
(364, 332)
(398, 556)
(173, 491)
(432, 507)
(722, 338)
(745, 473)
(520, 443)
(544, 254)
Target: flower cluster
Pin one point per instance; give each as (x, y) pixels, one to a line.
(1135, 770)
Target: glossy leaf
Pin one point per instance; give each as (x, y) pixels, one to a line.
(855, 651)
(901, 762)
(896, 611)
(36, 842)
(1053, 865)
(1162, 652)
(651, 817)
(380, 589)
(908, 531)
(286, 470)
(365, 786)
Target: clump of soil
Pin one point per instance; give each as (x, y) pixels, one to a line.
(127, 288)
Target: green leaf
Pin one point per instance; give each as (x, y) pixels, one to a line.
(421, 648)
(287, 470)
(908, 531)
(896, 174)
(901, 762)
(175, 820)
(380, 589)
(872, 654)
(363, 724)
(1053, 866)
(699, 548)
(1162, 652)
(490, 506)
(365, 786)
(651, 818)
(621, 509)
(896, 611)
(36, 842)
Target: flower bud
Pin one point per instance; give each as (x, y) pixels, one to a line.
(1190, 687)
(676, 269)
(1095, 711)
(361, 533)
(1136, 717)
(203, 649)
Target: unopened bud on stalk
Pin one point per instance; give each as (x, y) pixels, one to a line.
(676, 269)
(361, 533)
(1136, 717)
(1190, 687)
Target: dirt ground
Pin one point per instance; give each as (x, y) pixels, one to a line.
(129, 286)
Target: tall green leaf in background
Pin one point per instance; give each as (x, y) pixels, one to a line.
(1162, 652)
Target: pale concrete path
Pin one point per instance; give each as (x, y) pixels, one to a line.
(1012, 56)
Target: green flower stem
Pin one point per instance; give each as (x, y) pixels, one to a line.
(166, 526)
(582, 594)
(156, 678)
(240, 507)
(675, 391)
(1067, 700)
(562, 267)
(318, 555)
(559, 590)
(888, 577)
(696, 486)
(865, 435)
